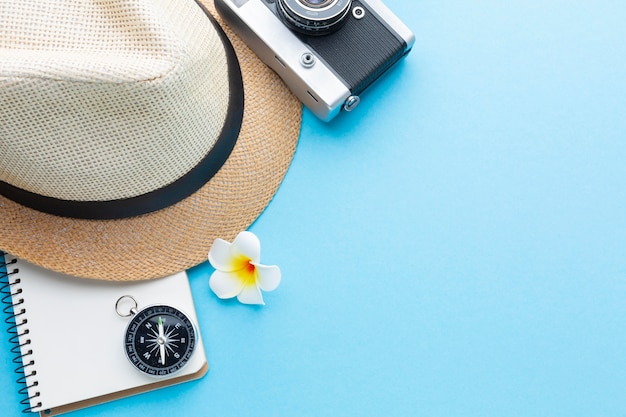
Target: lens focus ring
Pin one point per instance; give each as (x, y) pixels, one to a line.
(313, 17)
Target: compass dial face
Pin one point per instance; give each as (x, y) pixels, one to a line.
(159, 340)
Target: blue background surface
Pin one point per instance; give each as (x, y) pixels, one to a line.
(453, 247)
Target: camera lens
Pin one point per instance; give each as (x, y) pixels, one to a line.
(315, 3)
(313, 17)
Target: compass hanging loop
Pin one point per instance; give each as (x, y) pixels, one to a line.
(132, 311)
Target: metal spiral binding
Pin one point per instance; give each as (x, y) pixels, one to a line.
(16, 323)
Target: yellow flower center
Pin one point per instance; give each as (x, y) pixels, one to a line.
(245, 270)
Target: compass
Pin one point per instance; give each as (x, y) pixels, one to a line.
(159, 339)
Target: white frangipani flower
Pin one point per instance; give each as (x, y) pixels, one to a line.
(238, 271)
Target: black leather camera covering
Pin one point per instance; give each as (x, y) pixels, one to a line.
(360, 51)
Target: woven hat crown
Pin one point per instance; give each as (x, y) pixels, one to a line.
(109, 100)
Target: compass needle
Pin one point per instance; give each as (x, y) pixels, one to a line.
(162, 340)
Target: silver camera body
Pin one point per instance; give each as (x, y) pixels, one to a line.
(327, 51)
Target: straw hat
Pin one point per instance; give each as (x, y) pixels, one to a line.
(128, 142)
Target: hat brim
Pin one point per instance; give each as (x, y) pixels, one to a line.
(179, 236)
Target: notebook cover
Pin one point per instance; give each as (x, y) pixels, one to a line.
(75, 336)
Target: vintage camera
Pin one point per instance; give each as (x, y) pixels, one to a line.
(326, 51)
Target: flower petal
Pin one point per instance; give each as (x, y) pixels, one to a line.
(220, 256)
(225, 284)
(250, 295)
(247, 244)
(268, 276)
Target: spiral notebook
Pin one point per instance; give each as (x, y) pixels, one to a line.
(70, 338)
